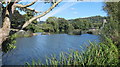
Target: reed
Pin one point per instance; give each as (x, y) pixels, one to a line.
(96, 54)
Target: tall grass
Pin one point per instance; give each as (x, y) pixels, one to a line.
(104, 53)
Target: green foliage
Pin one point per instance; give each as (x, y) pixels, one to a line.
(17, 23)
(57, 25)
(47, 27)
(104, 53)
(9, 43)
(29, 15)
(34, 28)
(112, 28)
(54, 22)
(82, 25)
(61, 25)
(88, 22)
(11, 40)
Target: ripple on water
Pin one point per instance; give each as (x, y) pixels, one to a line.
(37, 47)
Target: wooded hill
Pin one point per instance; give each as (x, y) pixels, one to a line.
(92, 19)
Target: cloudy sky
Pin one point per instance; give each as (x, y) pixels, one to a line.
(71, 10)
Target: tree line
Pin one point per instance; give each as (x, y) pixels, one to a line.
(61, 25)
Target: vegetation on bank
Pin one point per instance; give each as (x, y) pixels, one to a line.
(73, 26)
(9, 43)
(11, 40)
(104, 53)
(112, 28)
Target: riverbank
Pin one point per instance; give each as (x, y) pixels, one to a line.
(74, 32)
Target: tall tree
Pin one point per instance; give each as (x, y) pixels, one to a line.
(112, 28)
(8, 8)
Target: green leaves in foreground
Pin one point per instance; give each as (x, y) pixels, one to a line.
(101, 54)
(96, 54)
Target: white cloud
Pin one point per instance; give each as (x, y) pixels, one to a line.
(59, 9)
(75, 12)
(72, 8)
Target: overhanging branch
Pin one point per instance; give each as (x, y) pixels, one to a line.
(27, 6)
(24, 6)
(43, 14)
(32, 10)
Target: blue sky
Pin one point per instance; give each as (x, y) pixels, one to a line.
(71, 10)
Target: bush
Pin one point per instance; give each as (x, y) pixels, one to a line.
(9, 43)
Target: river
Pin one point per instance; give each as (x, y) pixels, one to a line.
(40, 46)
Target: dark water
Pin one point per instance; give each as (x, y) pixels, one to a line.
(40, 46)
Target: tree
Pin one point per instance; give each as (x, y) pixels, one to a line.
(8, 9)
(15, 22)
(112, 28)
(54, 22)
(63, 25)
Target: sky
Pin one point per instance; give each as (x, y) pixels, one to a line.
(72, 10)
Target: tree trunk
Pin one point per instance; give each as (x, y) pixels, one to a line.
(4, 31)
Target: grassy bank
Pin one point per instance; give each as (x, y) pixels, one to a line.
(104, 53)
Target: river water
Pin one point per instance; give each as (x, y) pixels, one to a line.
(40, 46)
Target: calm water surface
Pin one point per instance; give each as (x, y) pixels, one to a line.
(40, 46)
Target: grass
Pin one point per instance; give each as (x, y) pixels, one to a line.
(104, 53)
